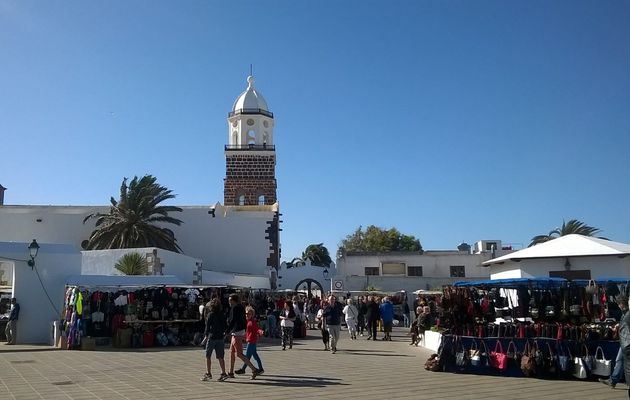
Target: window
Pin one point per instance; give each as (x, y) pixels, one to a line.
(371, 271)
(414, 271)
(491, 246)
(241, 200)
(261, 200)
(393, 269)
(458, 271)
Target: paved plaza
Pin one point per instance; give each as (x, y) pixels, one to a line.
(360, 369)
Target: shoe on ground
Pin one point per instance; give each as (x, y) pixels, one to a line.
(230, 375)
(255, 373)
(222, 377)
(261, 371)
(284, 347)
(607, 382)
(240, 371)
(290, 346)
(206, 377)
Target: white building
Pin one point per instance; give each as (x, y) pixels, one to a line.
(410, 271)
(570, 256)
(240, 236)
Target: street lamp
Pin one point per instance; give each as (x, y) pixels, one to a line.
(325, 273)
(33, 249)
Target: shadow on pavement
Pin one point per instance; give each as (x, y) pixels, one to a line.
(292, 381)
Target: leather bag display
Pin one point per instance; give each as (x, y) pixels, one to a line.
(528, 364)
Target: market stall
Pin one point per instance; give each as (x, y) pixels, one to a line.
(132, 311)
(567, 327)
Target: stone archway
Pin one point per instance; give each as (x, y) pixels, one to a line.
(309, 286)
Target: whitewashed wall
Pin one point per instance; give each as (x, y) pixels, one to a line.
(55, 263)
(234, 240)
(600, 267)
(102, 262)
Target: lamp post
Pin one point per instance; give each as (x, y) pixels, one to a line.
(325, 273)
(33, 249)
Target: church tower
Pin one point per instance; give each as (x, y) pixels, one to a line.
(250, 155)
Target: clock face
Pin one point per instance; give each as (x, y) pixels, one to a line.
(250, 122)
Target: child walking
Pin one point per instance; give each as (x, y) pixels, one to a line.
(251, 337)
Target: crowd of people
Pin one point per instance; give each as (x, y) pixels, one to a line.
(288, 318)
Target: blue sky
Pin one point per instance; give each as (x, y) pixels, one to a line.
(450, 120)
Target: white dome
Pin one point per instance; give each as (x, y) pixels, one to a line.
(250, 99)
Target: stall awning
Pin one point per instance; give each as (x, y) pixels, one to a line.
(514, 283)
(103, 281)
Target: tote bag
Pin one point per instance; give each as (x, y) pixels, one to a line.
(579, 368)
(498, 359)
(601, 366)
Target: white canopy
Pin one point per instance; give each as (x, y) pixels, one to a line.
(567, 246)
(102, 281)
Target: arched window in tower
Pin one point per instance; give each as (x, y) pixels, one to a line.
(241, 200)
(261, 200)
(251, 137)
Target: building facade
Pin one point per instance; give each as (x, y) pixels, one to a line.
(411, 271)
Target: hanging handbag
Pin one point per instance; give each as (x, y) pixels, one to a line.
(551, 362)
(513, 356)
(474, 354)
(461, 356)
(589, 360)
(564, 360)
(498, 358)
(528, 365)
(601, 366)
(579, 368)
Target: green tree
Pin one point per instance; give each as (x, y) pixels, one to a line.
(132, 264)
(318, 254)
(375, 239)
(131, 220)
(572, 227)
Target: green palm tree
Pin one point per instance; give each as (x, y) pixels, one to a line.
(132, 264)
(318, 254)
(131, 220)
(572, 227)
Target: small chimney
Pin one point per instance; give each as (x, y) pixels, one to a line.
(2, 189)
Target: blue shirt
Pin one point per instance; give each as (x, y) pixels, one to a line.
(387, 312)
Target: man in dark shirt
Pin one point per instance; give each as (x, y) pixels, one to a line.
(236, 329)
(332, 313)
(11, 329)
(215, 338)
(372, 316)
(362, 312)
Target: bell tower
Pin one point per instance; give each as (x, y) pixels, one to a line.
(250, 155)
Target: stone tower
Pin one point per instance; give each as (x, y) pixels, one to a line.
(250, 156)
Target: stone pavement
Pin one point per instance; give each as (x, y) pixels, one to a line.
(360, 369)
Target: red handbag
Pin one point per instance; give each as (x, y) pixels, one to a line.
(498, 359)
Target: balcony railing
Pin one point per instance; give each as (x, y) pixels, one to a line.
(251, 111)
(261, 147)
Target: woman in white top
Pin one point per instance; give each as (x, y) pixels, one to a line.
(287, 316)
(352, 314)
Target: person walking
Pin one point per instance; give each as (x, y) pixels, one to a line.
(236, 326)
(362, 307)
(352, 314)
(372, 316)
(332, 314)
(406, 312)
(214, 339)
(251, 337)
(287, 318)
(624, 335)
(387, 315)
(321, 324)
(11, 330)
